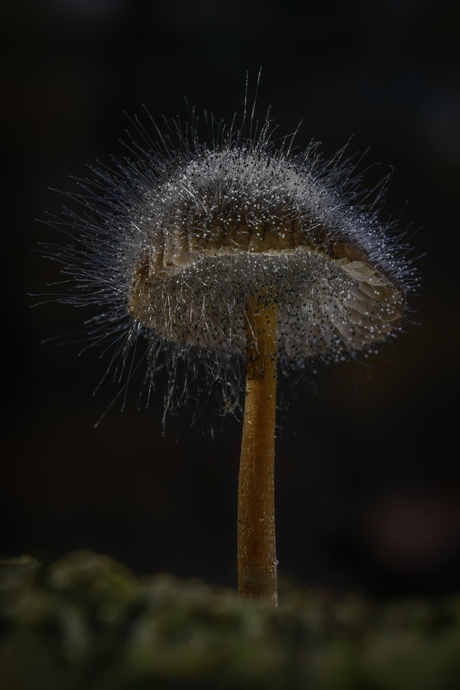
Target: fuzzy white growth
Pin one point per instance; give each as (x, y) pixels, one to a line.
(174, 242)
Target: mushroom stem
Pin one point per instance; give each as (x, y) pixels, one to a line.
(257, 578)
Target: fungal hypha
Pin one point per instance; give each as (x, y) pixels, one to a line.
(234, 258)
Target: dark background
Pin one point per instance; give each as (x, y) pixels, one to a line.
(368, 467)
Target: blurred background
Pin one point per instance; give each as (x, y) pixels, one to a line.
(368, 466)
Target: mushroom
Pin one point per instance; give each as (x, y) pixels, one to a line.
(241, 259)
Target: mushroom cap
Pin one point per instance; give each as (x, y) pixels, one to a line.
(172, 244)
(232, 222)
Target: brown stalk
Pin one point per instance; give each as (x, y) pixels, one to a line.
(257, 578)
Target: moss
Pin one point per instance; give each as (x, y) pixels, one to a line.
(87, 623)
